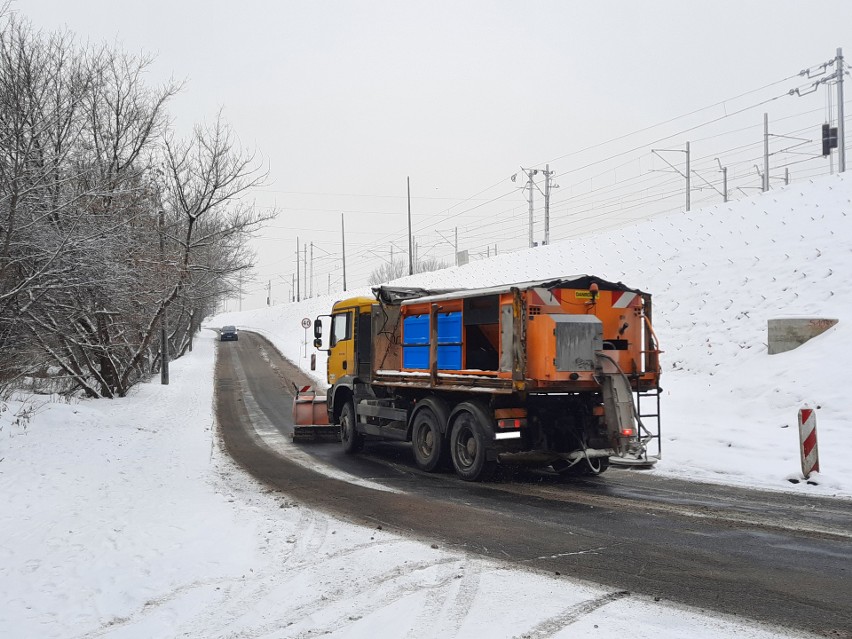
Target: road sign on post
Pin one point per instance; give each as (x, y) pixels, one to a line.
(306, 324)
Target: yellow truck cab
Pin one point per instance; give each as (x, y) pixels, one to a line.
(348, 347)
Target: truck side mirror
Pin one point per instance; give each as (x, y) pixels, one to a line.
(317, 330)
(318, 342)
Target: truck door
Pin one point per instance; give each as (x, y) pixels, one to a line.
(341, 355)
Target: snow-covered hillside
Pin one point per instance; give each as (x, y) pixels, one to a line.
(717, 275)
(124, 518)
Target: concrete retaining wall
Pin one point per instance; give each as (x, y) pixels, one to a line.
(785, 334)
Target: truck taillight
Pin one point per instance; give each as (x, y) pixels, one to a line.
(627, 432)
(511, 423)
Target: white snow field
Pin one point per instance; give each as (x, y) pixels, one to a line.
(124, 518)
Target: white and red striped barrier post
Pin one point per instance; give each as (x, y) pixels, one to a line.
(808, 439)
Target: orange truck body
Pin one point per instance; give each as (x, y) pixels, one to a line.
(541, 372)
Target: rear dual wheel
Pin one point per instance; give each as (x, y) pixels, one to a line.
(470, 446)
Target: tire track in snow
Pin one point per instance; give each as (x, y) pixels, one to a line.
(550, 627)
(450, 605)
(353, 598)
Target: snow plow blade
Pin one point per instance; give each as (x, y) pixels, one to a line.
(310, 418)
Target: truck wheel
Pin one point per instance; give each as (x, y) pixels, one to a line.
(469, 446)
(351, 438)
(427, 440)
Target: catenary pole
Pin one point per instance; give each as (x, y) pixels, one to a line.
(530, 186)
(298, 274)
(410, 239)
(164, 333)
(688, 172)
(546, 204)
(841, 128)
(305, 269)
(343, 248)
(765, 152)
(456, 245)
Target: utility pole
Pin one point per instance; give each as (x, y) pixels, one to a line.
(298, 275)
(410, 239)
(343, 246)
(841, 128)
(724, 171)
(829, 141)
(456, 245)
(305, 269)
(530, 187)
(688, 173)
(765, 152)
(292, 287)
(269, 293)
(241, 291)
(312, 270)
(548, 178)
(164, 338)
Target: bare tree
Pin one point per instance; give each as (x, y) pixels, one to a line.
(390, 271)
(106, 222)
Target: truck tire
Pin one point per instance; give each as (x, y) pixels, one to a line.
(470, 445)
(427, 440)
(351, 438)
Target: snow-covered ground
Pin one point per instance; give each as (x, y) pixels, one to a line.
(124, 518)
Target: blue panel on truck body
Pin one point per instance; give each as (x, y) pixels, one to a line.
(415, 344)
(449, 341)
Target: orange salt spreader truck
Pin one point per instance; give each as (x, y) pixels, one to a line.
(562, 373)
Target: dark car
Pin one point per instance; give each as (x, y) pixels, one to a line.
(228, 334)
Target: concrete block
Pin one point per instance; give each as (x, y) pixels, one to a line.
(785, 334)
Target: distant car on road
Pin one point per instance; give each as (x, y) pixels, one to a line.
(228, 334)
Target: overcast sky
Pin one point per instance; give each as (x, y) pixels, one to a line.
(346, 99)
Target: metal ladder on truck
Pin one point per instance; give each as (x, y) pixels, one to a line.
(648, 412)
